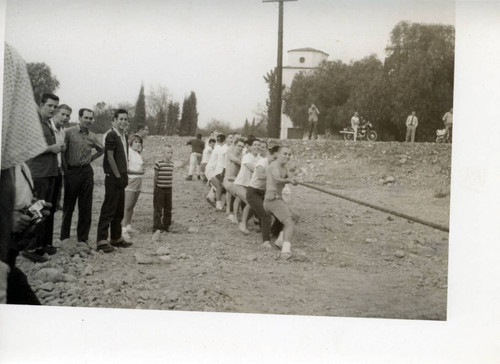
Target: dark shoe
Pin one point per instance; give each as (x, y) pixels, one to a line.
(172, 231)
(35, 256)
(121, 243)
(189, 178)
(199, 177)
(105, 247)
(49, 249)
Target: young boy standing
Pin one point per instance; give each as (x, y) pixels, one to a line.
(162, 194)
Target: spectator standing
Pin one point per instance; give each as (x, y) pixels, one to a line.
(197, 146)
(355, 124)
(79, 175)
(448, 124)
(115, 167)
(162, 193)
(313, 121)
(411, 126)
(59, 123)
(44, 170)
(133, 189)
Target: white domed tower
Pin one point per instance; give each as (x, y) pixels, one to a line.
(299, 60)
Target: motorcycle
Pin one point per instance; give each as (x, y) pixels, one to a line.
(364, 132)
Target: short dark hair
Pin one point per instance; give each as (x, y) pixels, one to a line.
(221, 138)
(81, 111)
(274, 149)
(118, 112)
(211, 140)
(65, 107)
(239, 140)
(140, 126)
(47, 96)
(198, 136)
(251, 141)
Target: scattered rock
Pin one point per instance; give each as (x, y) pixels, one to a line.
(165, 258)
(349, 223)
(163, 251)
(389, 179)
(48, 286)
(108, 291)
(88, 270)
(171, 296)
(371, 240)
(143, 258)
(193, 230)
(53, 275)
(399, 254)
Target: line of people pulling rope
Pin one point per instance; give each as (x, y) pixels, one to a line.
(247, 177)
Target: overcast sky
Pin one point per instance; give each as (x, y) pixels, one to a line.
(103, 50)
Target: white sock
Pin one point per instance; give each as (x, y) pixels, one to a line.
(218, 205)
(286, 247)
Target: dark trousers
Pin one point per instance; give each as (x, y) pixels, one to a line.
(78, 185)
(57, 191)
(44, 190)
(255, 199)
(162, 204)
(112, 208)
(19, 291)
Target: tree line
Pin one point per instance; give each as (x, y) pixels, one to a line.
(157, 110)
(417, 74)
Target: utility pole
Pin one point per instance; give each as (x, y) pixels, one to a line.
(279, 67)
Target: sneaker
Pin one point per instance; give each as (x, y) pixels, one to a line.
(189, 178)
(266, 245)
(218, 206)
(104, 246)
(50, 249)
(285, 251)
(120, 243)
(132, 230)
(172, 231)
(156, 235)
(126, 235)
(243, 229)
(36, 256)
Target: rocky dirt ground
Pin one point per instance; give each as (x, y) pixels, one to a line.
(349, 260)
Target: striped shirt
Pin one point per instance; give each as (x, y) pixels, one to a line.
(79, 145)
(163, 172)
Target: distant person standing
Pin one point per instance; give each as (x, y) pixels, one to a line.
(448, 124)
(115, 167)
(142, 131)
(355, 124)
(197, 146)
(313, 121)
(162, 193)
(79, 175)
(207, 152)
(411, 126)
(45, 170)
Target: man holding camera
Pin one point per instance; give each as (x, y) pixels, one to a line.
(44, 170)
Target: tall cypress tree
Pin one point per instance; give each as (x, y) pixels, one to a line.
(140, 111)
(173, 112)
(193, 114)
(185, 123)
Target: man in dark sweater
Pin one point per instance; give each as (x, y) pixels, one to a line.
(197, 146)
(44, 170)
(115, 167)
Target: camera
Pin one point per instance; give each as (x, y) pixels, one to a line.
(35, 211)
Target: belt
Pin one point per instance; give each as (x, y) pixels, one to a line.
(78, 167)
(230, 180)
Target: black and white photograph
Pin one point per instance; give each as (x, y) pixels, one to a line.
(255, 169)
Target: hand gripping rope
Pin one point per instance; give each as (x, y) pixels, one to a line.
(395, 213)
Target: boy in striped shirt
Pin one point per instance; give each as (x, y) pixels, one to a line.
(162, 195)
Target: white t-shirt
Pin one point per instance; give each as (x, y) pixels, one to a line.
(207, 152)
(255, 182)
(245, 173)
(221, 159)
(212, 162)
(135, 163)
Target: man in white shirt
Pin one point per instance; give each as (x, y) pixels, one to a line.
(411, 126)
(241, 182)
(59, 122)
(355, 124)
(313, 121)
(214, 169)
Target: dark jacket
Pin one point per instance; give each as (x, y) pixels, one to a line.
(45, 164)
(120, 152)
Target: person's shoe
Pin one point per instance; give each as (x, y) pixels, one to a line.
(285, 251)
(104, 246)
(243, 229)
(172, 231)
(120, 243)
(218, 206)
(189, 178)
(130, 229)
(199, 177)
(50, 249)
(36, 256)
(266, 245)
(156, 235)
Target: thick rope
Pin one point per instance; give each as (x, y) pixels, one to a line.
(395, 213)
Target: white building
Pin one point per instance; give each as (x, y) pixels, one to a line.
(299, 60)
